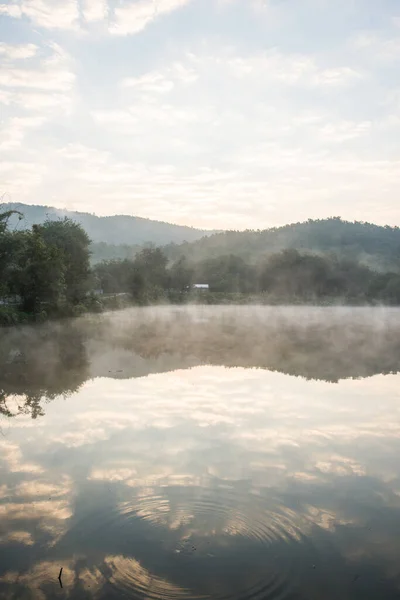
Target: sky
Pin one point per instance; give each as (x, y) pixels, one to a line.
(212, 113)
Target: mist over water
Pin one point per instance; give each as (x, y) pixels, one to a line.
(202, 452)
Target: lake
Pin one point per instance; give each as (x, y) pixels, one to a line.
(202, 452)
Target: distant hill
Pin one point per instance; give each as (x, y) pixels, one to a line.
(375, 246)
(121, 236)
(114, 230)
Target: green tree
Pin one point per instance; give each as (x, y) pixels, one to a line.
(39, 276)
(181, 275)
(72, 242)
(149, 277)
(8, 247)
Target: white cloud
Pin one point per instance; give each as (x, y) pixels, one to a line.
(14, 132)
(257, 134)
(53, 73)
(337, 76)
(95, 10)
(39, 101)
(34, 93)
(17, 51)
(343, 130)
(52, 14)
(21, 179)
(162, 81)
(129, 16)
(290, 69)
(11, 10)
(378, 47)
(133, 17)
(151, 82)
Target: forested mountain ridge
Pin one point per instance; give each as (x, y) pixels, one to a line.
(372, 245)
(114, 230)
(121, 237)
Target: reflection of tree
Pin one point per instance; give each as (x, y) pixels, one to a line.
(328, 348)
(38, 364)
(42, 362)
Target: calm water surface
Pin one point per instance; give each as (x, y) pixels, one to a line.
(190, 453)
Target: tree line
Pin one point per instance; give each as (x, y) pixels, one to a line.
(45, 271)
(284, 277)
(373, 245)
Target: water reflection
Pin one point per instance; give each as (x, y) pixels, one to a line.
(40, 363)
(202, 482)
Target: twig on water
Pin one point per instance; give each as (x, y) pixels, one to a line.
(59, 577)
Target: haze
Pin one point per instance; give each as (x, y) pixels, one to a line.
(211, 113)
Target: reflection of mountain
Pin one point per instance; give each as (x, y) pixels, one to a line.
(329, 344)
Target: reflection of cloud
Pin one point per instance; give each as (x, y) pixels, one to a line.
(13, 456)
(50, 509)
(35, 579)
(325, 519)
(44, 505)
(74, 439)
(154, 444)
(128, 571)
(38, 488)
(340, 465)
(115, 474)
(20, 537)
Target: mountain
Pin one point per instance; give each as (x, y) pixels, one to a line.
(121, 236)
(114, 230)
(372, 245)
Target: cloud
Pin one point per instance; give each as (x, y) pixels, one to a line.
(11, 10)
(95, 10)
(36, 84)
(52, 75)
(19, 537)
(343, 130)
(128, 16)
(133, 17)
(257, 131)
(149, 83)
(20, 178)
(49, 14)
(11, 52)
(378, 47)
(14, 132)
(13, 458)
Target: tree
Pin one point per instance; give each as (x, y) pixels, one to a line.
(8, 246)
(149, 275)
(73, 243)
(39, 277)
(181, 275)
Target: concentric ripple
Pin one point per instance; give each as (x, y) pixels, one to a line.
(194, 543)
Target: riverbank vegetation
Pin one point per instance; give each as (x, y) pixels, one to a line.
(287, 277)
(45, 272)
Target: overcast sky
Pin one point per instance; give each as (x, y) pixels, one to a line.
(213, 113)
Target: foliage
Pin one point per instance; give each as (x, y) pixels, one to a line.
(374, 246)
(44, 271)
(149, 276)
(102, 252)
(39, 279)
(284, 277)
(72, 244)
